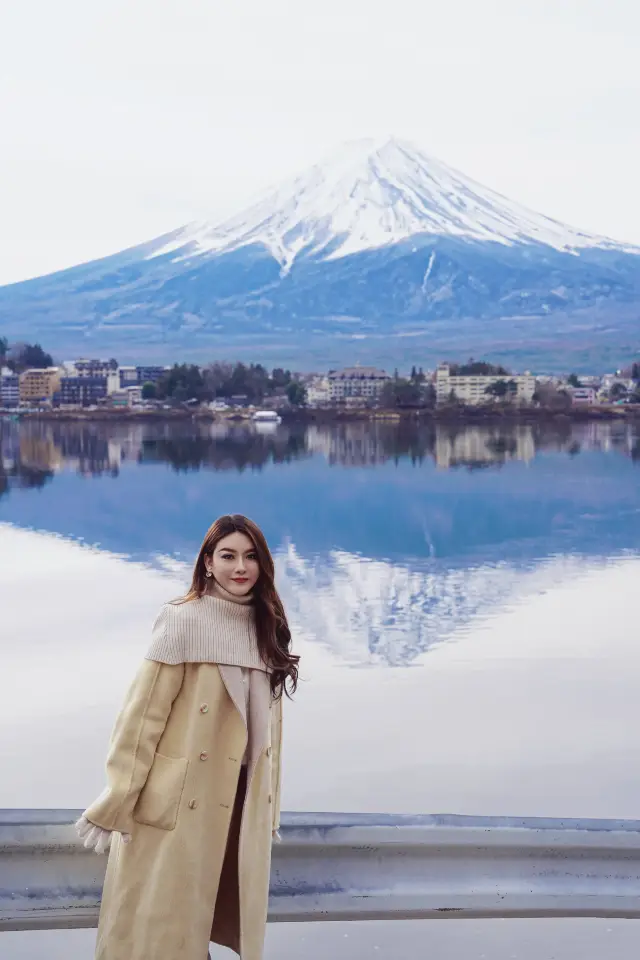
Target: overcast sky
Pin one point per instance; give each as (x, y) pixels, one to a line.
(122, 119)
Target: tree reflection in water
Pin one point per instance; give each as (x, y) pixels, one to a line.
(32, 452)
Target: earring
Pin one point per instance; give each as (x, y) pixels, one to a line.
(208, 573)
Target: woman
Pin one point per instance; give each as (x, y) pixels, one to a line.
(193, 771)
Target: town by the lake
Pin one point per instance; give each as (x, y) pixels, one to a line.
(31, 383)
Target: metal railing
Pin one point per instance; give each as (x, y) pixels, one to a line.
(360, 867)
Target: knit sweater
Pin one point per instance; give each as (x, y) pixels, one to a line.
(216, 628)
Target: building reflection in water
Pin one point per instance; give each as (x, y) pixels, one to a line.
(33, 452)
(476, 447)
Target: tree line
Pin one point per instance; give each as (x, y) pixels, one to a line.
(21, 356)
(186, 381)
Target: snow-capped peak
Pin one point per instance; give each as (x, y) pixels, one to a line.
(369, 194)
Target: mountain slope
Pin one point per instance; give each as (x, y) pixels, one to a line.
(367, 196)
(380, 253)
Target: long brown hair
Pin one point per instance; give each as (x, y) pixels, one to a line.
(272, 628)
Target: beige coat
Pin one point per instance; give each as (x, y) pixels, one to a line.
(173, 770)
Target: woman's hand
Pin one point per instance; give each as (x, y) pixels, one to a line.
(275, 836)
(94, 837)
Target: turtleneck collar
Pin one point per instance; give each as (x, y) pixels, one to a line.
(218, 628)
(218, 591)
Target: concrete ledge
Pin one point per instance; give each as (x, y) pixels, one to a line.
(359, 867)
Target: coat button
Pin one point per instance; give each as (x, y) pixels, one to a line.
(204, 755)
(204, 708)
(268, 751)
(193, 804)
(269, 798)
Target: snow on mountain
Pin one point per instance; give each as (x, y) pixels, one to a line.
(368, 195)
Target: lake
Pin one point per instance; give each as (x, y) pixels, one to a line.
(476, 585)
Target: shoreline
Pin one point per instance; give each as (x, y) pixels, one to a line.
(463, 414)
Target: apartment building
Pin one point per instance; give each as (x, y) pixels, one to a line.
(128, 377)
(149, 374)
(107, 369)
(81, 391)
(9, 388)
(38, 385)
(94, 368)
(366, 383)
(318, 391)
(472, 389)
(126, 397)
(121, 398)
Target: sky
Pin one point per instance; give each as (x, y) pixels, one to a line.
(123, 119)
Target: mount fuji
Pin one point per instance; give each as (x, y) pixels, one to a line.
(379, 254)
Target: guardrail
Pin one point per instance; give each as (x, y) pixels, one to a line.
(360, 867)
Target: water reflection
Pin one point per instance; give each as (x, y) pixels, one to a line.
(32, 452)
(512, 715)
(359, 610)
(483, 575)
(227, 449)
(368, 612)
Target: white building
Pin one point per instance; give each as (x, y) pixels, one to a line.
(472, 389)
(318, 392)
(367, 383)
(94, 368)
(128, 377)
(611, 383)
(135, 393)
(9, 388)
(129, 397)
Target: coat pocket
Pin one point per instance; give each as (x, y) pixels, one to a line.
(159, 799)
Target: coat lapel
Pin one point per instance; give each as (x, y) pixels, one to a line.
(259, 714)
(257, 721)
(232, 679)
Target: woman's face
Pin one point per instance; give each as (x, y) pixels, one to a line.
(234, 563)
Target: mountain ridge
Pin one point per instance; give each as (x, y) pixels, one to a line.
(397, 190)
(378, 243)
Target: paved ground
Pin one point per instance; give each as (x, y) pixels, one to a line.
(404, 940)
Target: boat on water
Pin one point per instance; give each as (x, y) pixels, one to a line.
(266, 416)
